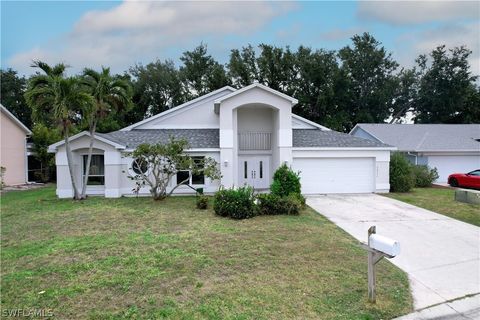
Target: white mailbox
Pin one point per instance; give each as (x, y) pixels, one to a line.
(383, 244)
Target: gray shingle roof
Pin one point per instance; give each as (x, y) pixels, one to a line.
(319, 138)
(209, 138)
(427, 137)
(197, 138)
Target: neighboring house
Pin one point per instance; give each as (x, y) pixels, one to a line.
(450, 148)
(13, 148)
(249, 132)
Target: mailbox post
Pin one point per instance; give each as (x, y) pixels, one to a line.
(378, 247)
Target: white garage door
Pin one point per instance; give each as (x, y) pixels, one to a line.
(446, 165)
(336, 175)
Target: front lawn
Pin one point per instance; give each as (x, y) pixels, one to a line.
(136, 258)
(441, 200)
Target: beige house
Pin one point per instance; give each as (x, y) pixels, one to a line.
(13, 152)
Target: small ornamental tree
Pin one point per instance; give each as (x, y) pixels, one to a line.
(285, 182)
(154, 165)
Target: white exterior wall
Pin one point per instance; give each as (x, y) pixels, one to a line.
(126, 184)
(198, 115)
(228, 130)
(381, 162)
(79, 148)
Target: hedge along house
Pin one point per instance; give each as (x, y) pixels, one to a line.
(249, 132)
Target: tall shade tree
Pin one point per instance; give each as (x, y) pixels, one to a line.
(12, 96)
(315, 86)
(109, 94)
(201, 73)
(446, 87)
(157, 87)
(242, 67)
(277, 68)
(62, 100)
(370, 80)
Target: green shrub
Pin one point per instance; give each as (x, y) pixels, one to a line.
(235, 203)
(402, 178)
(424, 176)
(268, 204)
(285, 181)
(202, 202)
(300, 198)
(271, 204)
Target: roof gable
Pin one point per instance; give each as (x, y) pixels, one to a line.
(179, 109)
(98, 136)
(303, 123)
(253, 86)
(14, 119)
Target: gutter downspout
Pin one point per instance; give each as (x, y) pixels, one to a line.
(416, 157)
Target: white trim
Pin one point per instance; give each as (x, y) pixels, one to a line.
(256, 85)
(343, 149)
(186, 150)
(53, 147)
(323, 128)
(15, 120)
(164, 113)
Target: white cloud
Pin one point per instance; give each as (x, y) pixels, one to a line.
(142, 30)
(414, 12)
(411, 45)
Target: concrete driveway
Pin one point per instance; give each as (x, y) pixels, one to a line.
(440, 254)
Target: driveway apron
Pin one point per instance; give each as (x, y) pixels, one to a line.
(439, 254)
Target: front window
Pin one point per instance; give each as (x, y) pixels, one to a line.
(475, 173)
(183, 176)
(96, 176)
(198, 178)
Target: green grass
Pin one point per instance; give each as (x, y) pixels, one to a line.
(136, 258)
(441, 200)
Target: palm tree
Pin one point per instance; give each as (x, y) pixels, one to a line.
(60, 99)
(110, 94)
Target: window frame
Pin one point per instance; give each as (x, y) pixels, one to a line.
(191, 176)
(132, 170)
(84, 167)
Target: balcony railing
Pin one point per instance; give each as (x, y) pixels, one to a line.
(255, 141)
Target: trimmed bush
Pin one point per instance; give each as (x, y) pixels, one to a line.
(300, 198)
(202, 202)
(285, 182)
(402, 178)
(271, 204)
(235, 203)
(424, 176)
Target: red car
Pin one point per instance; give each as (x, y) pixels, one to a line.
(467, 180)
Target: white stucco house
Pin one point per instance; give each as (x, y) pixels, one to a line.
(249, 132)
(451, 148)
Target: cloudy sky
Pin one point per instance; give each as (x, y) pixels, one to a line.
(120, 34)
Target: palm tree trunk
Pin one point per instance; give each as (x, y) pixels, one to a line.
(89, 159)
(76, 195)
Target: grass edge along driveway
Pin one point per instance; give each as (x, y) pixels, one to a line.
(136, 258)
(440, 200)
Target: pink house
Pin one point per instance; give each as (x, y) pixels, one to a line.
(13, 152)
